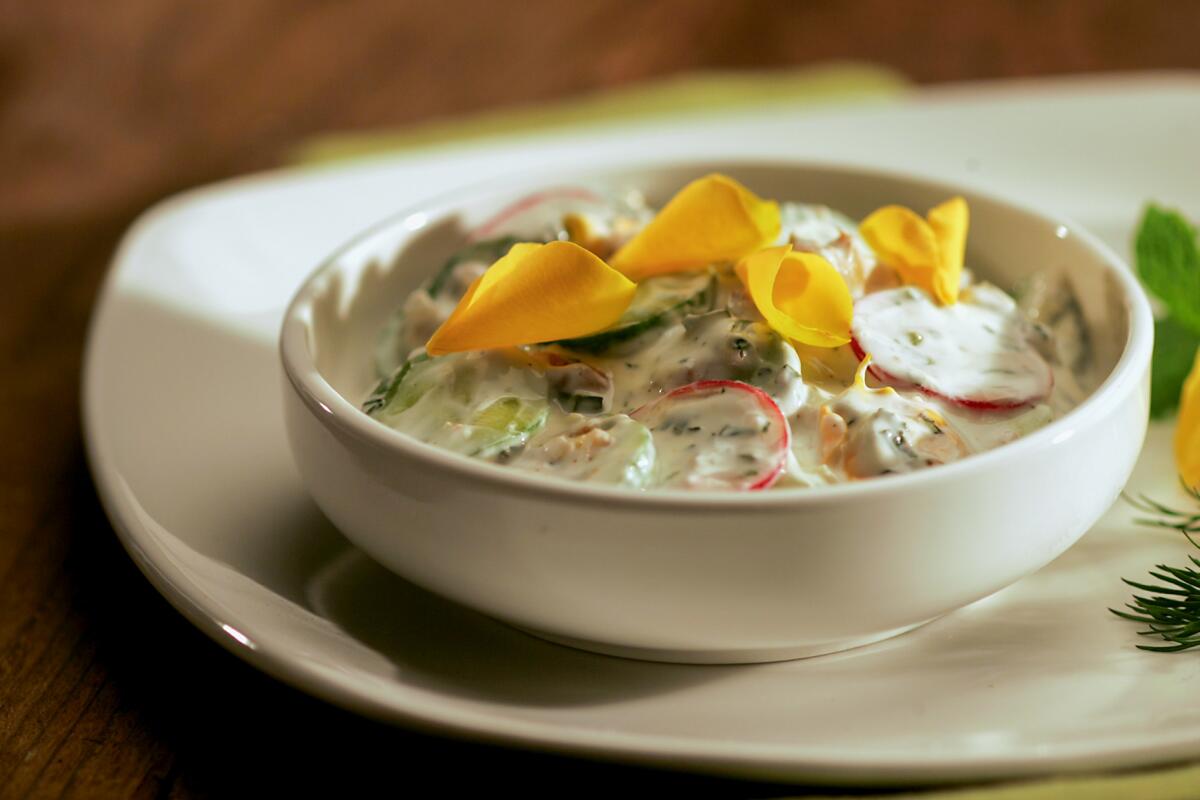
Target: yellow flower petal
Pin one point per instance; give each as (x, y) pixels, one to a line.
(926, 252)
(801, 295)
(1187, 429)
(536, 293)
(711, 219)
(582, 232)
(903, 241)
(949, 223)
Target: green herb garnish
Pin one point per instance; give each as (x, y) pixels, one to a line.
(1174, 348)
(1168, 262)
(1171, 610)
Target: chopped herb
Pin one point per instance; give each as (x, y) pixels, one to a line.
(931, 422)
(733, 430)
(1171, 608)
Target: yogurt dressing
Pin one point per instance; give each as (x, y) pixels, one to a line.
(635, 405)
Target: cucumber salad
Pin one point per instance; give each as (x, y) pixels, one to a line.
(691, 388)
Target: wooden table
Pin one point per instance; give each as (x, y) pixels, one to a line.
(107, 107)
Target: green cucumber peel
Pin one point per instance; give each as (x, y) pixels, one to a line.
(385, 391)
(642, 321)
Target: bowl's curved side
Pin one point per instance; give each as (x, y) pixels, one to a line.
(742, 584)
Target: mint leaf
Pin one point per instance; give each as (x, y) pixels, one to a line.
(1169, 263)
(1174, 348)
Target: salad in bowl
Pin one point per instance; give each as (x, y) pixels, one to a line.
(723, 342)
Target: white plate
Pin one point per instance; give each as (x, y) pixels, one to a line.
(187, 446)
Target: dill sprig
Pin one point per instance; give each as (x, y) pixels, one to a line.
(1171, 608)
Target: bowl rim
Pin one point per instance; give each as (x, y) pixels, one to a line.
(334, 410)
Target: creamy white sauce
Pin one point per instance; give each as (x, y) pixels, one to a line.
(712, 346)
(979, 350)
(610, 449)
(601, 412)
(720, 435)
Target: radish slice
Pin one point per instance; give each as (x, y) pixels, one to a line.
(538, 213)
(717, 435)
(977, 353)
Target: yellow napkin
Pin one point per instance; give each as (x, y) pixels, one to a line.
(1171, 783)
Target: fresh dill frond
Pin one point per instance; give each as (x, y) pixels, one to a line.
(1170, 609)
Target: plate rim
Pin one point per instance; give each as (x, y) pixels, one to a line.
(422, 710)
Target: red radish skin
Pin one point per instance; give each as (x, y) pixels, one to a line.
(487, 229)
(963, 402)
(781, 446)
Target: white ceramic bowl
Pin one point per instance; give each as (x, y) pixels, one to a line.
(709, 578)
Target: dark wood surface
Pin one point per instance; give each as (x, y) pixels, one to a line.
(107, 106)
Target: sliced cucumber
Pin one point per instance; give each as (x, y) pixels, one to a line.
(501, 425)
(391, 345)
(657, 300)
(614, 450)
(471, 403)
(383, 395)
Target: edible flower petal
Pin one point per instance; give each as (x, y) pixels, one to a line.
(801, 295)
(926, 252)
(536, 293)
(1187, 430)
(581, 231)
(712, 219)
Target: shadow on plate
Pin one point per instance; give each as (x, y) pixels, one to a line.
(453, 649)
